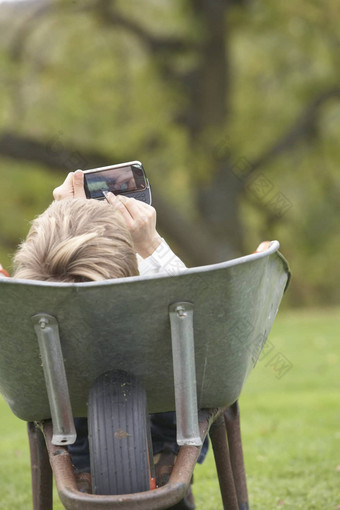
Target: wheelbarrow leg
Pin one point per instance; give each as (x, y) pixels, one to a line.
(232, 421)
(41, 471)
(223, 466)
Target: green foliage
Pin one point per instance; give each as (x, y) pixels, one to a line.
(73, 78)
(26, 191)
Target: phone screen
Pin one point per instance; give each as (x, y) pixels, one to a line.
(121, 179)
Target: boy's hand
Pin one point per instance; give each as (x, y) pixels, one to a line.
(3, 271)
(140, 219)
(263, 246)
(72, 187)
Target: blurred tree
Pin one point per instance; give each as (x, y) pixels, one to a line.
(208, 94)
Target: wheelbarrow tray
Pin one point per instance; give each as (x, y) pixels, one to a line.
(124, 324)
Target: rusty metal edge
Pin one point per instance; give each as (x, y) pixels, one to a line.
(162, 497)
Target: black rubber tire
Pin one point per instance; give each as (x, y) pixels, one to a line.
(118, 438)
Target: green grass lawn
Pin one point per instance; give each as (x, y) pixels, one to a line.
(290, 424)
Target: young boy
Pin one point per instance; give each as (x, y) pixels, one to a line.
(79, 240)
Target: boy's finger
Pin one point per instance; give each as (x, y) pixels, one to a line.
(117, 204)
(78, 184)
(263, 246)
(135, 207)
(64, 189)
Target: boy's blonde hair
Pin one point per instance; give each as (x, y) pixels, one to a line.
(76, 240)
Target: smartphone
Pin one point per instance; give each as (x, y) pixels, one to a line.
(127, 179)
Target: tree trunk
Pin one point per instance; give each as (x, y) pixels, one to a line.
(217, 202)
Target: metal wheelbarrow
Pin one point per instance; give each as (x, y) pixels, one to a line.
(117, 350)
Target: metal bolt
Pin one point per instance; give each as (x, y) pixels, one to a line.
(43, 323)
(181, 311)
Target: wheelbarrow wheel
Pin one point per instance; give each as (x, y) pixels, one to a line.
(118, 436)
